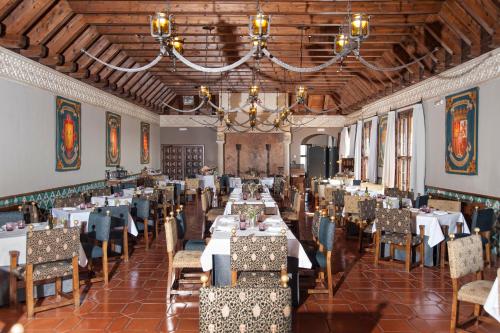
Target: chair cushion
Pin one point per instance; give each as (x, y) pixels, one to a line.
(258, 279)
(475, 292)
(92, 250)
(320, 259)
(399, 239)
(47, 270)
(140, 225)
(195, 245)
(213, 213)
(187, 259)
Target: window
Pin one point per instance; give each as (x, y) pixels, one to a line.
(365, 149)
(404, 128)
(303, 156)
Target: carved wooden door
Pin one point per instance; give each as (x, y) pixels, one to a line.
(181, 161)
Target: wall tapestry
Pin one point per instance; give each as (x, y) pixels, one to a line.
(113, 139)
(68, 134)
(144, 143)
(461, 132)
(382, 131)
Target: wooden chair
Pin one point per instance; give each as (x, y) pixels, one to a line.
(11, 216)
(258, 259)
(71, 201)
(394, 228)
(191, 187)
(351, 215)
(50, 254)
(211, 212)
(119, 227)
(140, 211)
(190, 244)
(99, 192)
(397, 193)
(366, 217)
(484, 221)
(31, 212)
(338, 205)
(179, 260)
(445, 205)
(465, 258)
(95, 243)
(323, 258)
(292, 218)
(246, 309)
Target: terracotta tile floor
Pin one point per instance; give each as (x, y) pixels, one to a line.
(367, 298)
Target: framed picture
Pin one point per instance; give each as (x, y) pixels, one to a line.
(461, 132)
(113, 139)
(382, 131)
(145, 143)
(68, 134)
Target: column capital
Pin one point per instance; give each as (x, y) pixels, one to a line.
(287, 137)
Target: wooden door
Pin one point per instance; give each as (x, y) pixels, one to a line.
(181, 161)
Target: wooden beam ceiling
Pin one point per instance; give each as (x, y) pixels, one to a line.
(53, 32)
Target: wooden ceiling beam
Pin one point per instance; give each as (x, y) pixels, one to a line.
(140, 90)
(85, 40)
(6, 7)
(133, 90)
(148, 95)
(154, 96)
(117, 75)
(25, 14)
(117, 60)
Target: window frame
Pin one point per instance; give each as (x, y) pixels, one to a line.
(404, 137)
(365, 145)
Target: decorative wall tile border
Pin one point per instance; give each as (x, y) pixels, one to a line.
(15, 67)
(46, 198)
(487, 201)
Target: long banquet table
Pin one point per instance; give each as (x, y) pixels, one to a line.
(216, 256)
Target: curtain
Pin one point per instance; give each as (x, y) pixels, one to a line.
(372, 157)
(417, 166)
(343, 145)
(352, 140)
(389, 170)
(357, 150)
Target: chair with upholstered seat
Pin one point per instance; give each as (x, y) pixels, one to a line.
(351, 215)
(246, 309)
(95, 243)
(258, 260)
(190, 244)
(11, 216)
(465, 258)
(445, 205)
(338, 205)
(211, 213)
(291, 218)
(484, 220)
(50, 255)
(100, 192)
(31, 212)
(119, 227)
(140, 211)
(191, 187)
(71, 201)
(394, 228)
(179, 260)
(366, 217)
(422, 200)
(326, 238)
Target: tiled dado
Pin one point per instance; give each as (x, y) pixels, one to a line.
(487, 201)
(46, 198)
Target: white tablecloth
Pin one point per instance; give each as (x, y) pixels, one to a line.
(234, 182)
(492, 306)
(433, 223)
(267, 181)
(112, 200)
(236, 197)
(394, 202)
(220, 242)
(207, 181)
(83, 216)
(129, 192)
(16, 241)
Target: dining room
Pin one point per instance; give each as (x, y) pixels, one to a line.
(249, 166)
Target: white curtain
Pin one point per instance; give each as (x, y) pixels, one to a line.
(357, 150)
(389, 170)
(417, 167)
(352, 140)
(343, 145)
(372, 157)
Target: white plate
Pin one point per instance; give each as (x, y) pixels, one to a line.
(69, 209)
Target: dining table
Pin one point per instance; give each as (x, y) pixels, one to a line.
(236, 197)
(492, 304)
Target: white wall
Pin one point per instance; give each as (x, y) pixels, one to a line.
(298, 134)
(27, 142)
(487, 181)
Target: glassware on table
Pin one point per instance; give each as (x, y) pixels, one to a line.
(262, 227)
(10, 226)
(243, 225)
(21, 224)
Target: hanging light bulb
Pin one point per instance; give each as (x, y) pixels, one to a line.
(161, 25)
(178, 44)
(260, 25)
(220, 114)
(301, 93)
(360, 26)
(204, 92)
(284, 114)
(341, 41)
(253, 123)
(252, 113)
(227, 121)
(254, 91)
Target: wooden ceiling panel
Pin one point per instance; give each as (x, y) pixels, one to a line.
(54, 31)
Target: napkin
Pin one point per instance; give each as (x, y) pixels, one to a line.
(440, 212)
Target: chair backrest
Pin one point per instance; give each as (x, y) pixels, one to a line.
(192, 183)
(140, 208)
(367, 209)
(422, 200)
(204, 201)
(119, 214)
(181, 224)
(171, 234)
(52, 245)
(12, 216)
(315, 224)
(351, 203)
(71, 201)
(356, 182)
(465, 256)
(393, 220)
(246, 208)
(297, 204)
(99, 225)
(329, 193)
(245, 309)
(484, 219)
(258, 253)
(31, 213)
(446, 205)
(338, 197)
(99, 192)
(326, 233)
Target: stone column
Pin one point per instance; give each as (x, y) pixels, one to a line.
(221, 139)
(287, 140)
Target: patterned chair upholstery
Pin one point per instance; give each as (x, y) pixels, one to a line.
(366, 216)
(244, 208)
(242, 309)
(100, 192)
(466, 257)
(445, 205)
(394, 228)
(191, 187)
(329, 193)
(397, 193)
(71, 201)
(256, 257)
(12, 216)
(351, 214)
(50, 254)
(177, 260)
(95, 242)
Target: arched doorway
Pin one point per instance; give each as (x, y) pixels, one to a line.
(319, 154)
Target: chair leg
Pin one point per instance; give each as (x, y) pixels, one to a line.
(392, 251)
(442, 254)
(58, 288)
(329, 275)
(105, 270)
(377, 247)
(146, 234)
(125, 244)
(487, 249)
(454, 314)
(12, 288)
(30, 301)
(156, 228)
(422, 254)
(169, 283)
(234, 278)
(76, 283)
(408, 253)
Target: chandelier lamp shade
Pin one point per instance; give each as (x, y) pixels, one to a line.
(178, 44)
(161, 26)
(359, 27)
(204, 93)
(301, 93)
(340, 43)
